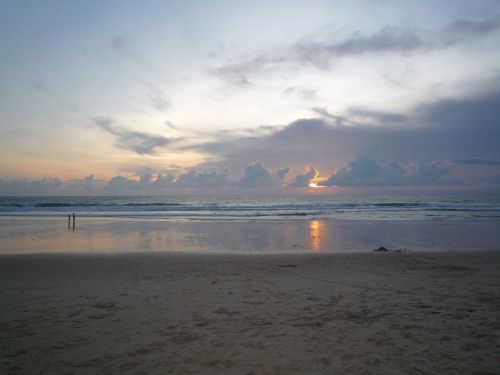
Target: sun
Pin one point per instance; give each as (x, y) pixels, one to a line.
(314, 185)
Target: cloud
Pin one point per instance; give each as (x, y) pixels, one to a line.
(476, 161)
(388, 39)
(374, 116)
(120, 183)
(193, 179)
(88, 184)
(139, 142)
(464, 27)
(364, 171)
(120, 44)
(156, 97)
(237, 73)
(393, 39)
(159, 102)
(323, 112)
(46, 185)
(446, 129)
(256, 175)
(301, 93)
(320, 54)
(302, 180)
(163, 181)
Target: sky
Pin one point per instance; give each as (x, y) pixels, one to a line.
(151, 96)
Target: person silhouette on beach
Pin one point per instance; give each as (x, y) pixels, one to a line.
(69, 219)
(73, 221)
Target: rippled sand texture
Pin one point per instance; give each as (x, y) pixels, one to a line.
(239, 314)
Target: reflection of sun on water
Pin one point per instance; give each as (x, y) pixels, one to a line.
(315, 227)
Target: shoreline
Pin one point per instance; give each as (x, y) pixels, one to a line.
(411, 312)
(40, 235)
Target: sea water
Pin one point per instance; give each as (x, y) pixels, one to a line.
(441, 207)
(249, 224)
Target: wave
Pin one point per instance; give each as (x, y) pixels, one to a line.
(148, 204)
(283, 208)
(398, 204)
(11, 205)
(78, 204)
(48, 205)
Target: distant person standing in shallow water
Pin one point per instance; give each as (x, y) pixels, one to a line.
(69, 219)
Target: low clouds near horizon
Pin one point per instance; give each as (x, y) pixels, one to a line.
(361, 171)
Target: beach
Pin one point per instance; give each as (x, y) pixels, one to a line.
(194, 313)
(249, 187)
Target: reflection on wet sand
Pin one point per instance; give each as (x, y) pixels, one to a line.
(315, 231)
(33, 234)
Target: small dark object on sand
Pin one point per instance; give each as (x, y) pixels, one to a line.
(381, 248)
(287, 265)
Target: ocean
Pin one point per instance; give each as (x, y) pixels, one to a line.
(314, 223)
(403, 207)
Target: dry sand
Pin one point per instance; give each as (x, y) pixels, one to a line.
(376, 313)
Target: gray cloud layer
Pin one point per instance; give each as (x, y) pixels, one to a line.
(255, 175)
(364, 171)
(444, 130)
(476, 161)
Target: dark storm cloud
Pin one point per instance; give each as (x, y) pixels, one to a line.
(139, 142)
(445, 130)
(365, 171)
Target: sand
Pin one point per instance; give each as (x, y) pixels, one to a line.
(365, 313)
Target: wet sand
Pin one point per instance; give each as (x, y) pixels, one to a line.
(115, 235)
(171, 313)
